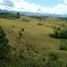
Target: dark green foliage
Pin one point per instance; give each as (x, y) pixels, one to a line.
(53, 56)
(18, 15)
(59, 33)
(63, 18)
(63, 34)
(9, 16)
(63, 44)
(53, 60)
(53, 64)
(56, 33)
(4, 46)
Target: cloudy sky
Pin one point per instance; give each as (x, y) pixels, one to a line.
(41, 6)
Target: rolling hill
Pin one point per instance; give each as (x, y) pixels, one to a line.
(31, 45)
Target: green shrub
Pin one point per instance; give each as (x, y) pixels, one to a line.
(52, 60)
(4, 46)
(53, 64)
(20, 35)
(59, 33)
(18, 15)
(63, 33)
(63, 44)
(53, 56)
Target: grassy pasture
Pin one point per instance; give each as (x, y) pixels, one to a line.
(35, 43)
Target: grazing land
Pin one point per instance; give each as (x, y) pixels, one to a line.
(31, 44)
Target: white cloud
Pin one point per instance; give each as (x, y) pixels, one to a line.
(23, 5)
(65, 1)
(1, 1)
(58, 9)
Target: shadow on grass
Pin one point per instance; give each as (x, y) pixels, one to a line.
(57, 37)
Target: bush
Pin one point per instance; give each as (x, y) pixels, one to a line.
(20, 35)
(22, 29)
(4, 46)
(40, 24)
(63, 44)
(59, 33)
(53, 60)
(53, 56)
(53, 64)
(63, 34)
(18, 15)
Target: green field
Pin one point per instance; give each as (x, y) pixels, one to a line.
(31, 44)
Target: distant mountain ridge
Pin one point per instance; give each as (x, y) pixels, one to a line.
(33, 14)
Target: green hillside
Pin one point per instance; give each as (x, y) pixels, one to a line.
(31, 43)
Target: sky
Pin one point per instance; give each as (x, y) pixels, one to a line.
(35, 6)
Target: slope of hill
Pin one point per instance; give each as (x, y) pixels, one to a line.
(31, 44)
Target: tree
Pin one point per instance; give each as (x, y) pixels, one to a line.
(59, 33)
(18, 15)
(4, 46)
